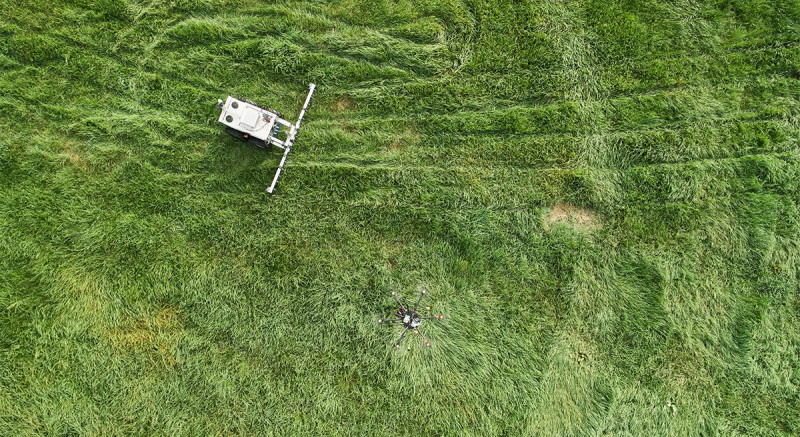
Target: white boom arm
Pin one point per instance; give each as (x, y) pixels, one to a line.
(291, 137)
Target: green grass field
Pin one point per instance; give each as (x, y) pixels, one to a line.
(602, 197)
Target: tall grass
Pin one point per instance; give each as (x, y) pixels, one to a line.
(601, 197)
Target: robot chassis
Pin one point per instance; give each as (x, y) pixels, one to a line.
(246, 121)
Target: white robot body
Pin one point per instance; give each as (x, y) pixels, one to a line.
(249, 122)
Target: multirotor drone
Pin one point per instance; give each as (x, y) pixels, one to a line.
(409, 318)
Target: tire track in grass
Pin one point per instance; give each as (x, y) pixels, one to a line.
(702, 139)
(738, 50)
(336, 26)
(309, 44)
(678, 125)
(141, 64)
(565, 21)
(713, 93)
(131, 66)
(556, 97)
(302, 43)
(524, 134)
(493, 173)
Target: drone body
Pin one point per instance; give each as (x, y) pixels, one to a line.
(409, 318)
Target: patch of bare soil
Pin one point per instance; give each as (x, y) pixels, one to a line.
(343, 104)
(152, 334)
(409, 137)
(581, 218)
(74, 157)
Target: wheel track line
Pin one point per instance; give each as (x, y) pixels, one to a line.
(692, 91)
(183, 79)
(555, 98)
(676, 127)
(306, 43)
(301, 163)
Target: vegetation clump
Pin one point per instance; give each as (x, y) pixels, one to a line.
(603, 195)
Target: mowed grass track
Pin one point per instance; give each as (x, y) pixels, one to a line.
(601, 197)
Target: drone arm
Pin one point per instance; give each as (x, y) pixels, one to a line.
(401, 338)
(394, 295)
(424, 340)
(419, 300)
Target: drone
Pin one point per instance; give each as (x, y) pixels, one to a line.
(408, 318)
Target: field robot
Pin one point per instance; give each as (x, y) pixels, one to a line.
(409, 318)
(260, 126)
